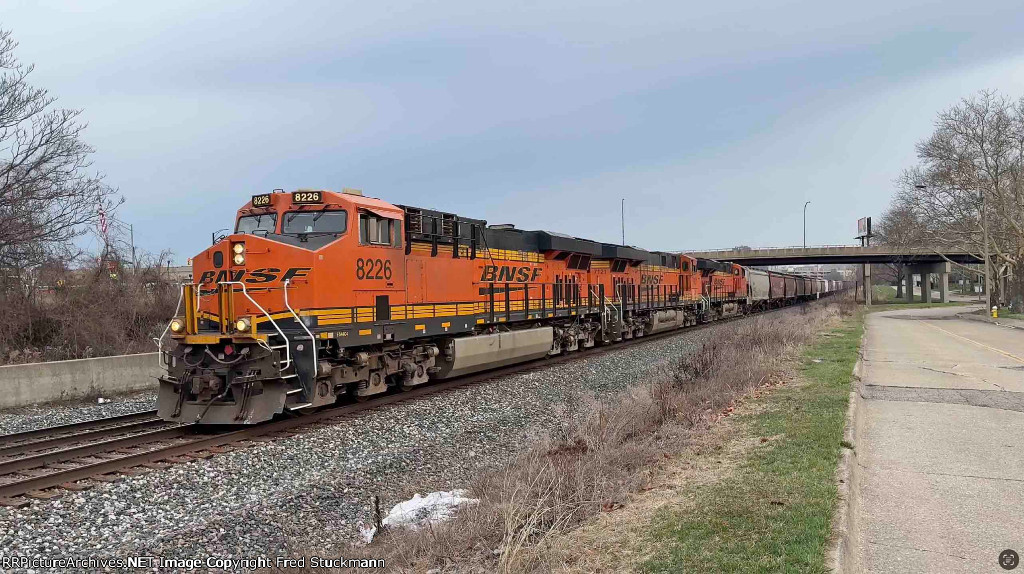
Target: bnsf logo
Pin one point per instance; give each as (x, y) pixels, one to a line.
(509, 273)
(256, 276)
(650, 280)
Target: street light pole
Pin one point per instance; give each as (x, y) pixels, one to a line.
(623, 221)
(988, 274)
(805, 223)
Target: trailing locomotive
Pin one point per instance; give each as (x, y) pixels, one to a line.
(318, 295)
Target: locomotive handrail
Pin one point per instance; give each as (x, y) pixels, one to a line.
(160, 341)
(287, 345)
(316, 365)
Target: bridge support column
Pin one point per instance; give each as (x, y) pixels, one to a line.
(908, 275)
(944, 287)
(942, 281)
(943, 270)
(867, 284)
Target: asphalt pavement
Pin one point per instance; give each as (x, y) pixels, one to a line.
(939, 439)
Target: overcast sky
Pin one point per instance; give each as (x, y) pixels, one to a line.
(715, 120)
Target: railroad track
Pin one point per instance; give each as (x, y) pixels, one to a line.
(59, 436)
(41, 463)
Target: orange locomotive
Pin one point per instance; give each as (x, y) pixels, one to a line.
(319, 294)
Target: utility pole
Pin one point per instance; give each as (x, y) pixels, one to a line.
(623, 221)
(805, 223)
(988, 274)
(131, 236)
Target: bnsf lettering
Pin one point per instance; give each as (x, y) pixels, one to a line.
(265, 275)
(650, 280)
(226, 275)
(509, 274)
(254, 277)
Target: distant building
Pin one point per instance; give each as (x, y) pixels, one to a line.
(180, 274)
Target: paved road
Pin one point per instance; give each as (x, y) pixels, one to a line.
(940, 444)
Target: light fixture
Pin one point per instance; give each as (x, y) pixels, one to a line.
(243, 325)
(177, 325)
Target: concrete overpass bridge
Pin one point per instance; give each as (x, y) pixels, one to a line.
(916, 261)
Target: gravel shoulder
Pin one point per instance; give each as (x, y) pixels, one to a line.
(303, 494)
(32, 417)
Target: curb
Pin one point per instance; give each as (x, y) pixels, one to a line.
(842, 553)
(984, 319)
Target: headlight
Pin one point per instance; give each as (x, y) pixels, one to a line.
(238, 248)
(239, 259)
(177, 326)
(242, 325)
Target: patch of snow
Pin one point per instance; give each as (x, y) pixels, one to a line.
(366, 532)
(420, 511)
(424, 510)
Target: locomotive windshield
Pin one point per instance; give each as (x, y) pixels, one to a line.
(251, 223)
(299, 222)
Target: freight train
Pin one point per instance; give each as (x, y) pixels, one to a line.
(319, 295)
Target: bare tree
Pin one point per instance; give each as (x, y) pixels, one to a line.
(47, 195)
(898, 227)
(974, 160)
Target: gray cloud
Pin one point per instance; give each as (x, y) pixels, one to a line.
(715, 120)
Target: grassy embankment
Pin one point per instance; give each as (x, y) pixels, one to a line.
(582, 499)
(773, 513)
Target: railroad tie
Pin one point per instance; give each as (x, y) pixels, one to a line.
(156, 465)
(75, 486)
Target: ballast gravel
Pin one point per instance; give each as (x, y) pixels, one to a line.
(301, 494)
(34, 417)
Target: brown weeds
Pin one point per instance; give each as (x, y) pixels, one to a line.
(600, 457)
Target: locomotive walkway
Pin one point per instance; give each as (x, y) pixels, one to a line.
(938, 483)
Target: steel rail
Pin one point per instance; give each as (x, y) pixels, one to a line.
(41, 460)
(89, 435)
(197, 443)
(71, 428)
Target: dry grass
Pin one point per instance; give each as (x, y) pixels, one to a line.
(609, 450)
(91, 315)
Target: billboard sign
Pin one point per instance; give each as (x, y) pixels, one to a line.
(863, 227)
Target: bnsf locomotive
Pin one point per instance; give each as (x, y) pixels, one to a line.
(318, 295)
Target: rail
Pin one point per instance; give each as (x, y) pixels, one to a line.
(157, 449)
